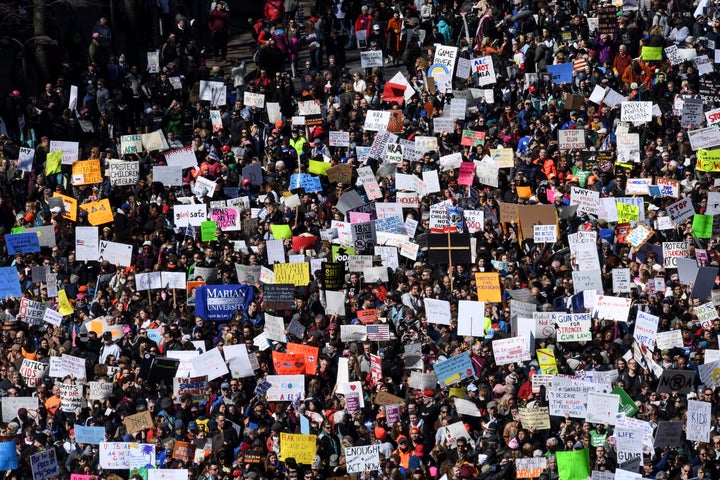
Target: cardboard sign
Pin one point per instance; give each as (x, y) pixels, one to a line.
(139, 421)
(538, 418)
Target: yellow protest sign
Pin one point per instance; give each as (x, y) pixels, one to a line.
(708, 160)
(546, 360)
(99, 212)
(627, 213)
(318, 168)
(297, 274)
(86, 172)
(298, 446)
(64, 306)
(488, 287)
(70, 206)
(53, 162)
(281, 231)
(457, 392)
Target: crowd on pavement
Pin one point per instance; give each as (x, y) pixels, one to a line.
(531, 199)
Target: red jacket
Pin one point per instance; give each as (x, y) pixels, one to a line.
(219, 21)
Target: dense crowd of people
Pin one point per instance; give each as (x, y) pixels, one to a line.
(272, 162)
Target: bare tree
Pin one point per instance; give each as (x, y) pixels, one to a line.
(14, 16)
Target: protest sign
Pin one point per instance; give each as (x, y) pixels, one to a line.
(437, 311)
(646, 329)
(371, 58)
(612, 308)
(44, 465)
(602, 407)
(100, 390)
(22, 243)
(668, 434)
(636, 111)
(571, 139)
(210, 363)
(471, 318)
(115, 253)
(86, 172)
(454, 369)
(698, 425)
(676, 381)
(538, 418)
(123, 173)
(11, 405)
(298, 446)
(529, 467)
(91, 435)
(297, 274)
(98, 213)
(32, 371)
(70, 397)
(573, 327)
(484, 70)
(706, 313)
(544, 233)
(362, 459)
(510, 350)
(8, 456)
(488, 287)
(376, 120)
(137, 422)
(573, 464)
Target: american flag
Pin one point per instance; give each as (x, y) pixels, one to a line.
(378, 333)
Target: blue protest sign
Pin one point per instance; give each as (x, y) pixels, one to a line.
(90, 435)
(561, 73)
(220, 302)
(9, 282)
(304, 425)
(8, 456)
(22, 243)
(154, 335)
(309, 183)
(454, 369)
(390, 224)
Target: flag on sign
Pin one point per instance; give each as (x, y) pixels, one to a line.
(579, 65)
(378, 333)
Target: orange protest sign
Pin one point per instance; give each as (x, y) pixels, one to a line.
(310, 354)
(99, 212)
(184, 451)
(488, 287)
(288, 364)
(524, 192)
(85, 172)
(70, 206)
(367, 316)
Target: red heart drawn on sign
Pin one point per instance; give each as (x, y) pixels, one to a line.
(353, 387)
